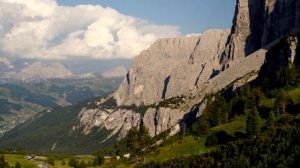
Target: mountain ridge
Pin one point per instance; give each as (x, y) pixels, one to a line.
(167, 85)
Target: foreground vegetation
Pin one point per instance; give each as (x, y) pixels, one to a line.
(16, 160)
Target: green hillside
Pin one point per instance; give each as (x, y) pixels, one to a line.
(20, 101)
(54, 132)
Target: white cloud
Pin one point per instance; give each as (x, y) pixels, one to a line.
(43, 29)
(194, 34)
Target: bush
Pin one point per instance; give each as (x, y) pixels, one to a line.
(73, 162)
(50, 160)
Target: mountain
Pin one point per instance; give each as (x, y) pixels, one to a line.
(40, 71)
(258, 23)
(167, 84)
(21, 100)
(116, 72)
(171, 67)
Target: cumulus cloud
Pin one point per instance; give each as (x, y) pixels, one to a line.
(43, 29)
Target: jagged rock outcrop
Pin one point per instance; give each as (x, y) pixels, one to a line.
(171, 67)
(259, 22)
(117, 121)
(285, 53)
(159, 120)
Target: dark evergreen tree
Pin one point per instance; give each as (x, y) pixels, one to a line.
(138, 142)
(271, 119)
(252, 125)
(18, 165)
(3, 164)
(99, 160)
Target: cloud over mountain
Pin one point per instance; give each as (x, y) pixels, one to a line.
(44, 29)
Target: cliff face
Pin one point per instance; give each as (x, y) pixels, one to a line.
(258, 23)
(285, 53)
(171, 67)
(115, 72)
(197, 66)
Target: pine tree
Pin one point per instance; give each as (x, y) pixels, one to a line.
(99, 160)
(281, 103)
(271, 119)
(138, 142)
(3, 164)
(252, 126)
(18, 165)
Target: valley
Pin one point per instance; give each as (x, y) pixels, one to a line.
(219, 98)
(21, 101)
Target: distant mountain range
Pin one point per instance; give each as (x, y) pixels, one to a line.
(39, 71)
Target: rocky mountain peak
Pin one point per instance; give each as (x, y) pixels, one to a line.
(259, 22)
(197, 66)
(171, 67)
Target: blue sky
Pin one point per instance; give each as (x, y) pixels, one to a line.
(121, 31)
(192, 16)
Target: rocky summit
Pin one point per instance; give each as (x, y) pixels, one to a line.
(171, 67)
(258, 23)
(196, 66)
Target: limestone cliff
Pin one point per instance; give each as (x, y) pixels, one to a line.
(171, 67)
(258, 23)
(196, 66)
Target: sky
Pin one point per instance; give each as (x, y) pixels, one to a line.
(192, 16)
(102, 29)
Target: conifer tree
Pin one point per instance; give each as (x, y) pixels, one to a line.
(18, 165)
(252, 126)
(271, 119)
